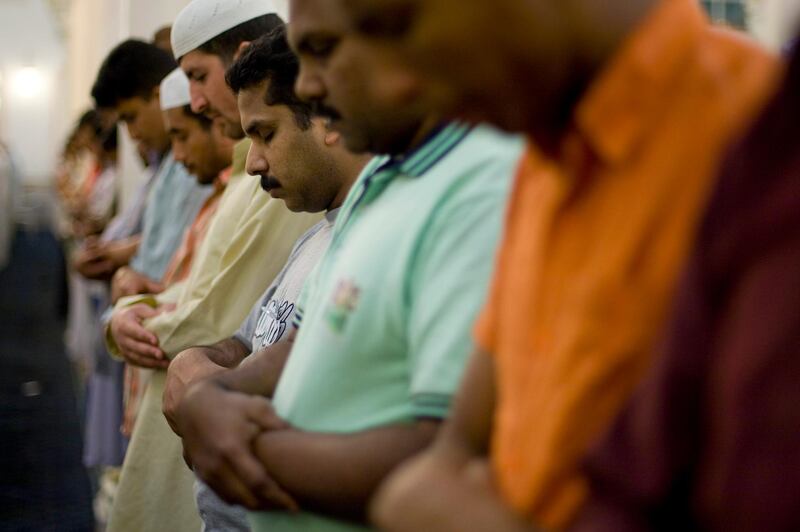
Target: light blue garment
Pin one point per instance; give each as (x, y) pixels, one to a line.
(172, 205)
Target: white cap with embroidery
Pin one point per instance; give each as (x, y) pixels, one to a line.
(174, 90)
(202, 20)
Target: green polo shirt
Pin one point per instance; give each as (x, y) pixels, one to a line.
(386, 316)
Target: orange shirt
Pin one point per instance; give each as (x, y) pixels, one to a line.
(595, 241)
(181, 262)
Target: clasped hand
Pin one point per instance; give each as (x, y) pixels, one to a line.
(219, 428)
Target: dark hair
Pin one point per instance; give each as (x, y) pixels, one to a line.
(106, 136)
(90, 118)
(134, 68)
(161, 38)
(108, 139)
(202, 119)
(226, 44)
(270, 58)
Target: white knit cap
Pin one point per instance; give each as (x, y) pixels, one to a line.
(175, 90)
(202, 20)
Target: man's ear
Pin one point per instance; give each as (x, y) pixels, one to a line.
(156, 93)
(331, 137)
(239, 51)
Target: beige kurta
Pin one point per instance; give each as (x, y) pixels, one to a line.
(245, 248)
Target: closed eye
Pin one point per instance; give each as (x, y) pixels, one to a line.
(318, 47)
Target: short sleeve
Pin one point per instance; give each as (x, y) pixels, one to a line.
(447, 288)
(245, 332)
(306, 294)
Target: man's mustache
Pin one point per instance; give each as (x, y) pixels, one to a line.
(268, 183)
(324, 111)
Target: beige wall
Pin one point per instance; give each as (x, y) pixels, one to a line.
(31, 120)
(774, 22)
(94, 27)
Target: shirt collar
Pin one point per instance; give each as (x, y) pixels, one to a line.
(625, 98)
(240, 150)
(332, 214)
(438, 144)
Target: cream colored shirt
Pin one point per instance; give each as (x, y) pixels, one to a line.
(246, 246)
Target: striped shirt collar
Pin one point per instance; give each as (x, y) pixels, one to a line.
(439, 143)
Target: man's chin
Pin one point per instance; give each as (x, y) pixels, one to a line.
(355, 143)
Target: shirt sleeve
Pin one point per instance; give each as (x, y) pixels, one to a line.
(448, 285)
(245, 332)
(248, 327)
(306, 295)
(252, 257)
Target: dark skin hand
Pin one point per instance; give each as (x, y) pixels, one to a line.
(258, 454)
(128, 282)
(228, 464)
(219, 427)
(263, 463)
(99, 260)
(257, 374)
(137, 345)
(92, 263)
(193, 365)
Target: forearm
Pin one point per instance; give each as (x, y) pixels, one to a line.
(466, 433)
(258, 374)
(448, 487)
(337, 474)
(227, 353)
(122, 251)
(452, 503)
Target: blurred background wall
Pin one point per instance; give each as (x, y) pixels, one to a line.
(50, 51)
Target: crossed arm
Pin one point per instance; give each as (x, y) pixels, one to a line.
(448, 487)
(250, 456)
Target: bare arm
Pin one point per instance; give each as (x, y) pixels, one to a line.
(259, 373)
(448, 488)
(227, 353)
(193, 365)
(239, 393)
(338, 473)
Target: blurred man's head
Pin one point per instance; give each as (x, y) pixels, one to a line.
(128, 83)
(197, 142)
(521, 65)
(206, 37)
(86, 129)
(298, 158)
(162, 38)
(94, 134)
(372, 98)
